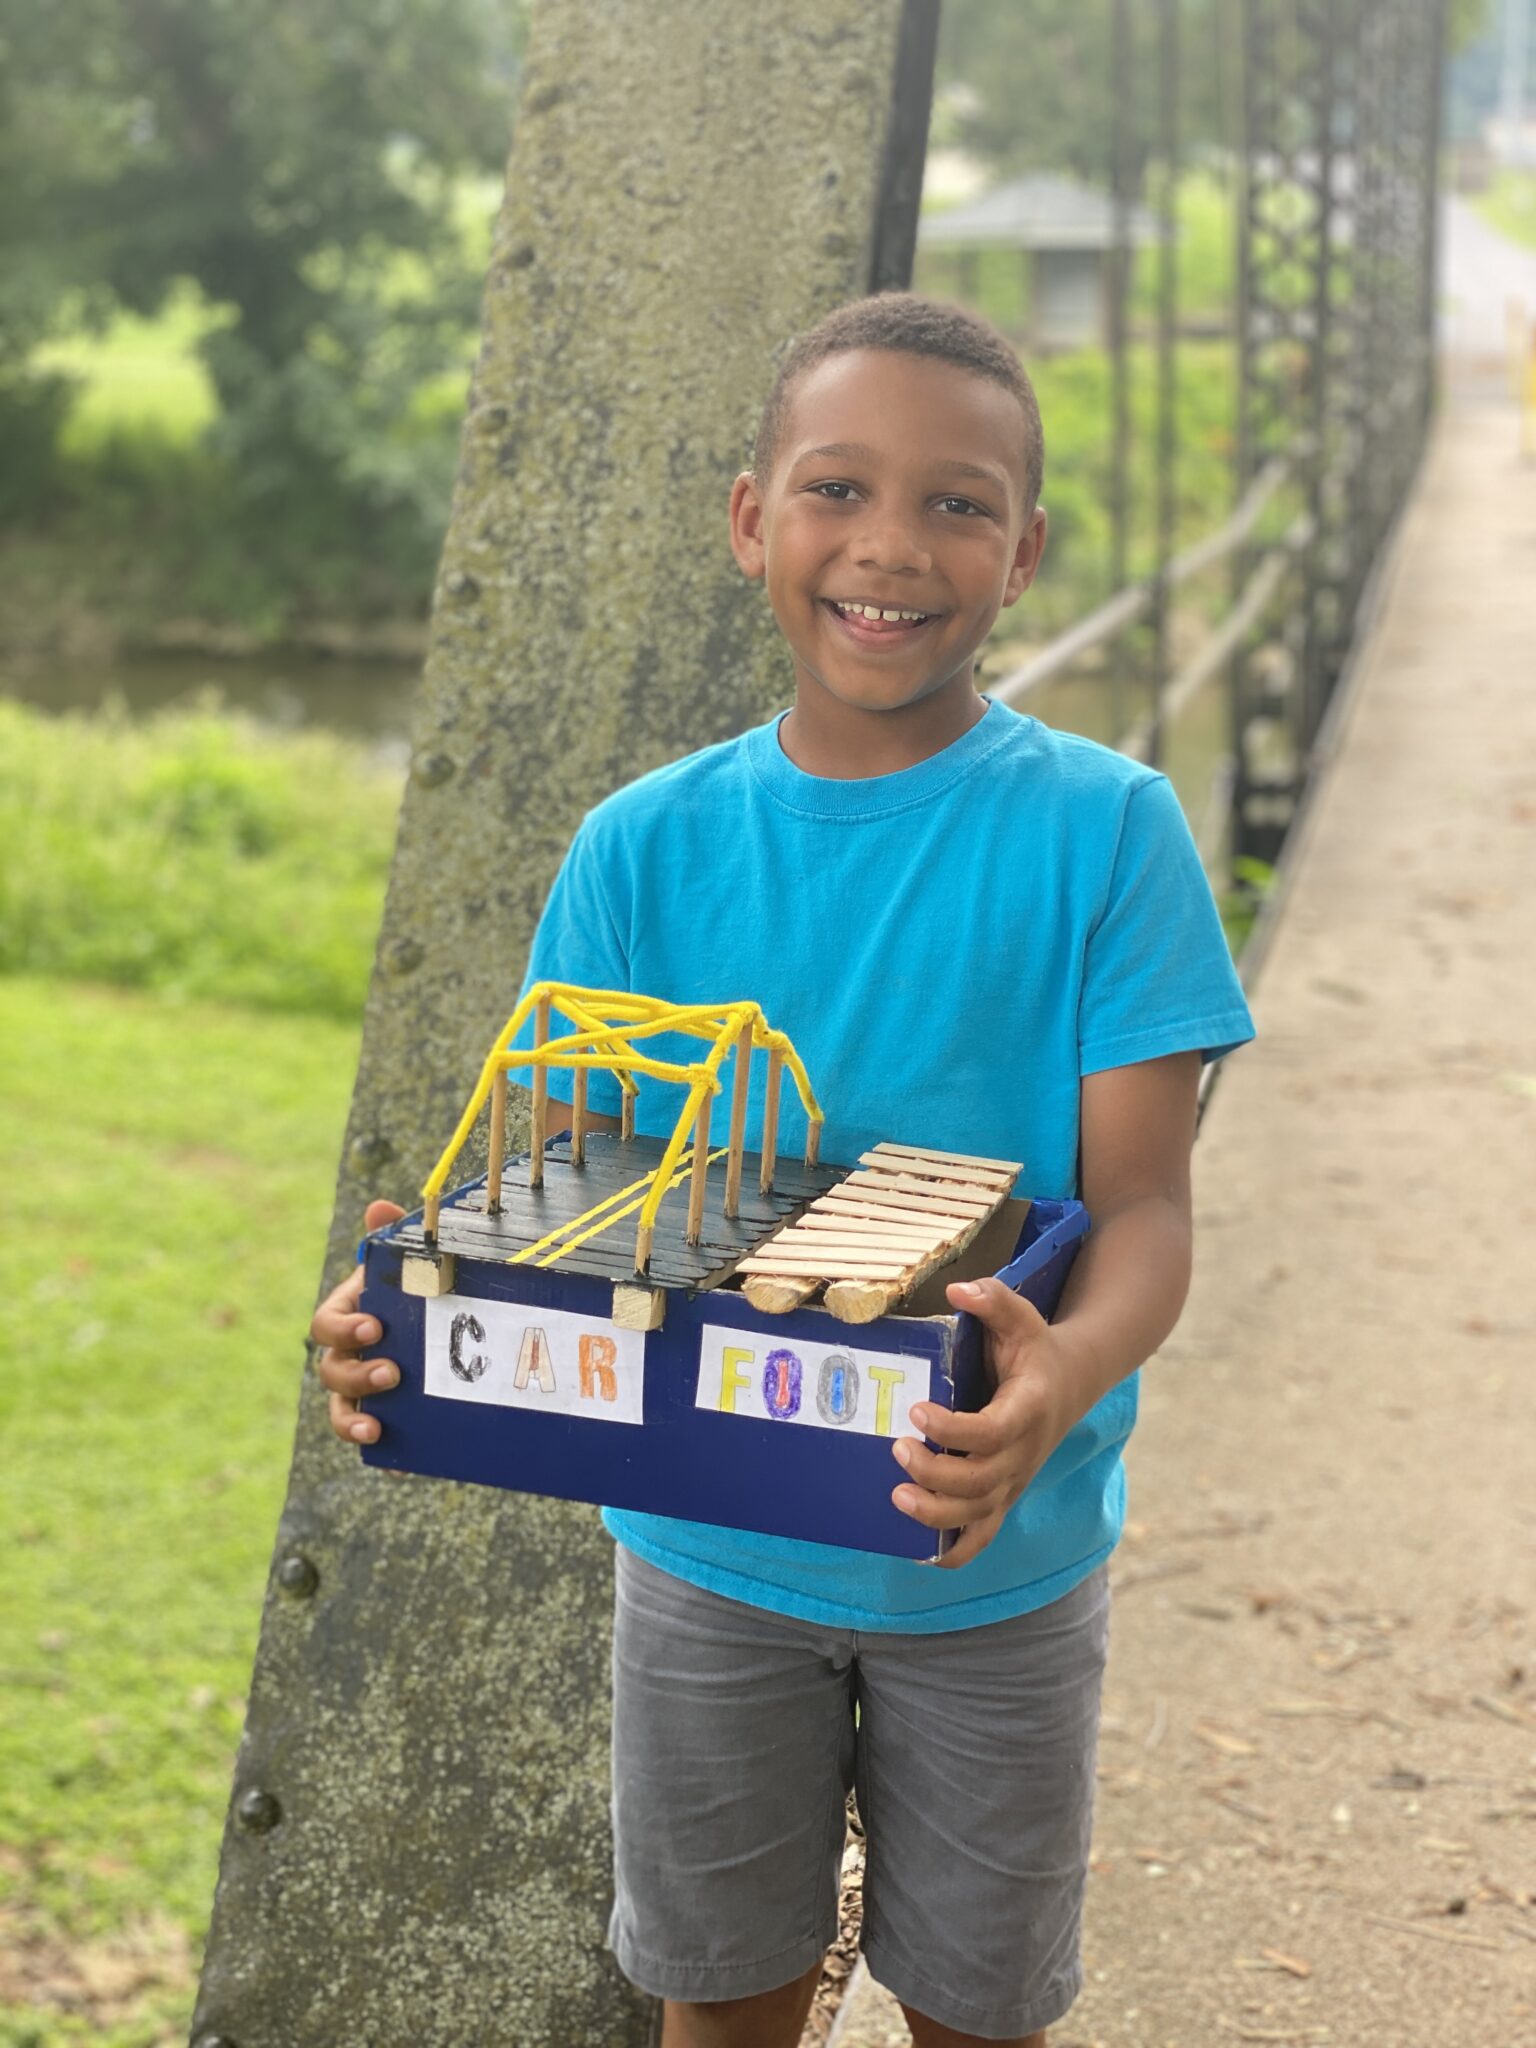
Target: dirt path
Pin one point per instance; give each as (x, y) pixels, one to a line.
(1317, 1811)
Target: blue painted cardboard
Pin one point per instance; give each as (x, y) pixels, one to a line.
(822, 1484)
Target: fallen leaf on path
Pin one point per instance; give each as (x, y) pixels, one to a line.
(1326, 1710)
(1503, 1710)
(1238, 1806)
(1142, 1574)
(1293, 1965)
(1435, 1933)
(1221, 1738)
(1246, 2033)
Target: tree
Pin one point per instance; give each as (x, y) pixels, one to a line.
(303, 164)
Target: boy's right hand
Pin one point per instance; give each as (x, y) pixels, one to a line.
(341, 1333)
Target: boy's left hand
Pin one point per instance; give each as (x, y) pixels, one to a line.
(1006, 1443)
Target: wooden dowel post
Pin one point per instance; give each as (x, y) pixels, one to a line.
(812, 1143)
(498, 1150)
(700, 1172)
(737, 1152)
(643, 1249)
(579, 1117)
(429, 1216)
(627, 1115)
(771, 1118)
(540, 1098)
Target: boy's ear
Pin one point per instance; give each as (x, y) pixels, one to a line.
(748, 540)
(1026, 557)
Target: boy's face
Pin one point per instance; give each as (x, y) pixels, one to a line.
(898, 486)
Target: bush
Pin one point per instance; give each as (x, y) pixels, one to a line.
(192, 853)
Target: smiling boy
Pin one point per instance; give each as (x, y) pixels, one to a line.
(985, 936)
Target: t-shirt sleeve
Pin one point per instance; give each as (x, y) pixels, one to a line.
(578, 941)
(1157, 971)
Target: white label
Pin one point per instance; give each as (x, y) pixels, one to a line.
(543, 1358)
(828, 1386)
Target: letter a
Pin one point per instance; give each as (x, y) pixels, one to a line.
(594, 1361)
(533, 1361)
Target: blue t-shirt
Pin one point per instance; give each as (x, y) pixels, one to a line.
(950, 948)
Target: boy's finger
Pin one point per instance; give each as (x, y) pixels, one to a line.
(971, 1544)
(328, 1323)
(954, 1478)
(1005, 1313)
(349, 1425)
(933, 1510)
(343, 1329)
(377, 1214)
(981, 1434)
(355, 1377)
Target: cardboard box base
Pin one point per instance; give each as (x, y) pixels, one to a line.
(519, 1377)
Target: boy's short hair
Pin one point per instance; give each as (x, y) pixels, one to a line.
(906, 323)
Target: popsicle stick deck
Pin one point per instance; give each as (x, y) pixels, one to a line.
(872, 1238)
(556, 1214)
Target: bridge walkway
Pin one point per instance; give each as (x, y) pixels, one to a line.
(1317, 1789)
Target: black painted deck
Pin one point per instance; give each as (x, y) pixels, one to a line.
(528, 1214)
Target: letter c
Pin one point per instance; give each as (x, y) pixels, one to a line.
(466, 1325)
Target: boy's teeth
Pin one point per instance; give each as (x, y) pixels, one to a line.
(873, 611)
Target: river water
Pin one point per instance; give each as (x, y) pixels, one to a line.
(370, 702)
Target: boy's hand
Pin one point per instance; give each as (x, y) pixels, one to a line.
(342, 1333)
(1006, 1443)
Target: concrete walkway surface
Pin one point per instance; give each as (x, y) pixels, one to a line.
(1317, 1774)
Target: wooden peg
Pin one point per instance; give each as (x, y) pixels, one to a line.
(627, 1115)
(771, 1119)
(498, 1150)
(429, 1217)
(700, 1172)
(579, 1117)
(540, 1098)
(737, 1151)
(812, 1142)
(643, 1238)
(636, 1307)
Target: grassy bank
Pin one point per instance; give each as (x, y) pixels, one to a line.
(194, 854)
(169, 1170)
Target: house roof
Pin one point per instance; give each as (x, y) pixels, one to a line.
(1041, 211)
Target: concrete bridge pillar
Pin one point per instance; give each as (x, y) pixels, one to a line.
(416, 1854)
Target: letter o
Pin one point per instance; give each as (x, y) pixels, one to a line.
(837, 1389)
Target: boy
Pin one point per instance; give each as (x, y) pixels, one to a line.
(985, 936)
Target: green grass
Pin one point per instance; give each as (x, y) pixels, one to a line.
(168, 1172)
(1509, 205)
(139, 376)
(194, 854)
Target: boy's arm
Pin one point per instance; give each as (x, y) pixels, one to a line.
(1122, 1298)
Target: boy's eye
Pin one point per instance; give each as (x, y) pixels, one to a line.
(958, 505)
(839, 493)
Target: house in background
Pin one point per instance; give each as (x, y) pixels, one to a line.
(1063, 236)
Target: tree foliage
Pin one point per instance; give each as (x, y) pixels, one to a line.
(303, 163)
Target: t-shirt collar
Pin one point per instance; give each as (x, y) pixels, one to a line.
(872, 796)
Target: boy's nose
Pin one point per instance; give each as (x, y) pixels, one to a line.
(892, 547)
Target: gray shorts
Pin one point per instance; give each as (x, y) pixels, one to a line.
(736, 1736)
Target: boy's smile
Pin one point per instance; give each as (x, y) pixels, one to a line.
(890, 533)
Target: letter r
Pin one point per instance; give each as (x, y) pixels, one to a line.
(594, 1361)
